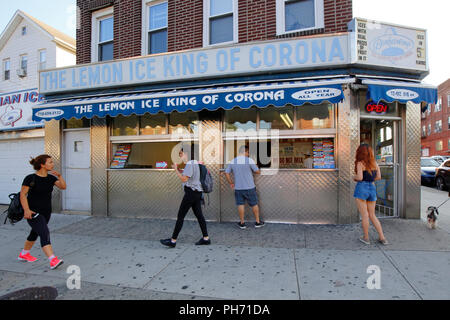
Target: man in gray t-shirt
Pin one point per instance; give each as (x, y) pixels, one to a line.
(244, 185)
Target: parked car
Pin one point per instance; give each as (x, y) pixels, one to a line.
(443, 175)
(440, 159)
(428, 168)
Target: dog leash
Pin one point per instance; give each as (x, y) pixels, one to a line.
(443, 203)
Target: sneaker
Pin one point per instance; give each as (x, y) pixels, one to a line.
(168, 242)
(55, 263)
(242, 225)
(26, 257)
(383, 242)
(203, 242)
(260, 224)
(364, 241)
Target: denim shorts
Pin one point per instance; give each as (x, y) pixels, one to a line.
(365, 191)
(249, 195)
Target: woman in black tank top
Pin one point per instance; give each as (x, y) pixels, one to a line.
(367, 172)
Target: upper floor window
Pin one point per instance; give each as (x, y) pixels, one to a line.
(157, 28)
(299, 15)
(103, 35)
(42, 59)
(220, 23)
(429, 108)
(438, 126)
(6, 69)
(424, 131)
(448, 100)
(438, 106)
(429, 129)
(24, 30)
(439, 145)
(449, 123)
(22, 72)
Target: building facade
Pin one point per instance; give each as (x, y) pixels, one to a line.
(27, 46)
(291, 79)
(436, 124)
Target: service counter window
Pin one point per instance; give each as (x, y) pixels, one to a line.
(240, 119)
(183, 123)
(125, 126)
(276, 118)
(148, 155)
(315, 116)
(153, 124)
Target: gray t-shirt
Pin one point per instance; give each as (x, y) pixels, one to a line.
(243, 168)
(192, 171)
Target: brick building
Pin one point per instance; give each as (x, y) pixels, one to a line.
(436, 124)
(298, 81)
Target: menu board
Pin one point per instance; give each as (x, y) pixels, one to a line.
(121, 156)
(323, 154)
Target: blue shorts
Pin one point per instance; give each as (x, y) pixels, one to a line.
(249, 195)
(365, 191)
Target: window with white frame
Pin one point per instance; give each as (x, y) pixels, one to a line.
(438, 106)
(220, 23)
(157, 27)
(299, 15)
(439, 145)
(6, 69)
(429, 129)
(449, 123)
(438, 126)
(42, 59)
(103, 35)
(24, 63)
(429, 108)
(448, 100)
(424, 131)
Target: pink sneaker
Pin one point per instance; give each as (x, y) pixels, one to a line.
(26, 257)
(55, 263)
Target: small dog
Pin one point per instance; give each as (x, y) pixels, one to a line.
(432, 213)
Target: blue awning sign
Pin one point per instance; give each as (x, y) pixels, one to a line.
(192, 100)
(390, 91)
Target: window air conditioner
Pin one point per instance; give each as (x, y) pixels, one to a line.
(21, 72)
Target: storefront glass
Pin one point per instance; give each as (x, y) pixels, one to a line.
(125, 126)
(315, 116)
(153, 124)
(276, 118)
(239, 119)
(183, 123)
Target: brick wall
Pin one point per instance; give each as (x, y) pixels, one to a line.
(256, 18)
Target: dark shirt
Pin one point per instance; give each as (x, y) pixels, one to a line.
(369, 177)
(40, 195)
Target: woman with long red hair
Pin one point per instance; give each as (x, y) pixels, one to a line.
(367, 172)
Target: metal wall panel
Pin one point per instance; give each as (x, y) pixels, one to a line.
(347, 142)
(413, 153)
(53, 148)
(99, 163)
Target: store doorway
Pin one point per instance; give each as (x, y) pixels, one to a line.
(77, 170)
(383, 136)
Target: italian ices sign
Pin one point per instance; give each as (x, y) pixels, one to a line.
(16, 110)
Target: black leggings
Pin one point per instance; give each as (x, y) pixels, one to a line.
(192, 199)
(39, 229)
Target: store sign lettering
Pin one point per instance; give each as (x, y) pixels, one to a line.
(242, 59)
(377, 108)
(50, 113)
(392, 45)
(316, 94)
(402, 94)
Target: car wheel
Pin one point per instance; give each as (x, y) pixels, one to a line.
(440, 184)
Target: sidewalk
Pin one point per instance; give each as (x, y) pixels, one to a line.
(123, 259)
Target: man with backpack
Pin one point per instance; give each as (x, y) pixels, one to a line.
(193, 190)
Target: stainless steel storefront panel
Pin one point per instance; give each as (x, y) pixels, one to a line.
(411, 209)
(144, 193)
(99, 163)
(317, 200)
(347, 143)
(53, 149)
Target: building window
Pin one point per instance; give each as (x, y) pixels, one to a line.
(299, 15)
(157, 28)
(429, 129)
(448, 100)
(424, 131)
(438, 126)
(42, 59)
(439, 145)
(438, 106)
(220, 23)
(315, 116)
(24, 31)
(449, 123)
(103, 35)
(429, 108)
(22, 71)
(6, 69)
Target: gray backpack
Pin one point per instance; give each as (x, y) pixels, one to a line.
(206, 179)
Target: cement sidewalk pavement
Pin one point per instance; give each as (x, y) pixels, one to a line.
(123, 259)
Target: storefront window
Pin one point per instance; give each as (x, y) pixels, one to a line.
(183, 123)
(153, 124)
(240, 119)
(276, 118)
(125, 126)
(315, 116)
(76, 123)
(148, 155)
(298, 153)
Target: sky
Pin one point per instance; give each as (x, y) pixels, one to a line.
(432, 15)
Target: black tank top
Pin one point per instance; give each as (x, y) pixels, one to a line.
(369, 176)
